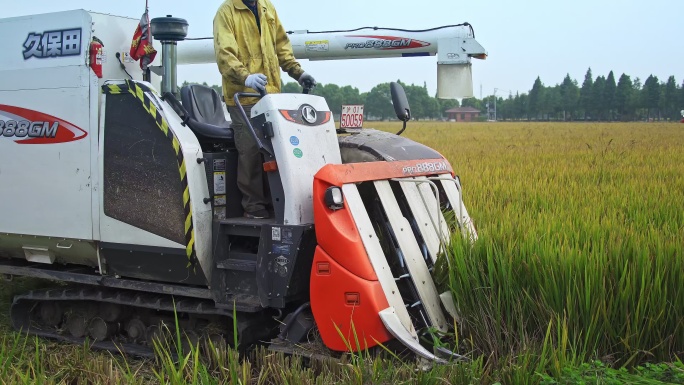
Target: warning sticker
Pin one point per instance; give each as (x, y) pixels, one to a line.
(287, 236)
(219, 165)
(219, 213)
(101, 57)
(219, 183)
(281, 249)
(127, 57)
(275, 234)
(219, 200)
(317, 46)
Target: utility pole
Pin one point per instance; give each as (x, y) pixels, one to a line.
(495, 91)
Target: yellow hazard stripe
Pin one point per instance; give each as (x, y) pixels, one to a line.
(186, 196)
(183, 172)
(188, 223)
(190, 248)
(165, 127)
(114, 89)
(139, 92)
(176, 145)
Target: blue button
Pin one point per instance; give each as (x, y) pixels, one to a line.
(294, 140)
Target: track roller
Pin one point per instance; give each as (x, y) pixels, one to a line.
(51, 313)
(136, 330)
(101, 330)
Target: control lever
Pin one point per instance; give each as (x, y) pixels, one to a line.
(248, 121)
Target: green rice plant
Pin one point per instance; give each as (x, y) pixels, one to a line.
(584, 234)
(12, 349)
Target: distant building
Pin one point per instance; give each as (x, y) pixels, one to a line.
(463, 114)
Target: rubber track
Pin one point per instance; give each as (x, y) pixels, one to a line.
(21, 317)
(114, 347)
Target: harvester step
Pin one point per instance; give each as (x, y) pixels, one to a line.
(237, 264)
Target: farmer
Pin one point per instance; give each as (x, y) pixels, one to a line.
(251, 47)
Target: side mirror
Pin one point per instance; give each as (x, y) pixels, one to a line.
(400, 102)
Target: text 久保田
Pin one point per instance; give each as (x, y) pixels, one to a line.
(53, 44)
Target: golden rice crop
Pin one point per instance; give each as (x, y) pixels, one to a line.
(581, 237)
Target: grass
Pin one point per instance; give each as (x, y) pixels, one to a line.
(577, 276)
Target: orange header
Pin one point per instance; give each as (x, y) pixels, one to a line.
(339, 174)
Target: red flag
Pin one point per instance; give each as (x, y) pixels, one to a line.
(141, 47)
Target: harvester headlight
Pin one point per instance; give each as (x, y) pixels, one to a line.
(334, 199)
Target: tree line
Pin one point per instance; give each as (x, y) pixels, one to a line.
(597, 99)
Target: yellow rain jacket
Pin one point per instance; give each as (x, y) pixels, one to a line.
(241, 50)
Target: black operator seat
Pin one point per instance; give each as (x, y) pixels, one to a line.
(205, 114)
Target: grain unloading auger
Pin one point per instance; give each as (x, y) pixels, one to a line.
(129, 196)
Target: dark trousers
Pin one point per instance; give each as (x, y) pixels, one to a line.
(250, 174)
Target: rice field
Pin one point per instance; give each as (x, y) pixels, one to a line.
(582, 240)
(578, 275)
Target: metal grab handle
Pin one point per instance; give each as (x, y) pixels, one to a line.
(177, 106)
(248, 121)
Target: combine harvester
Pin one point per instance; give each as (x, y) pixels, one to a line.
(112, 185)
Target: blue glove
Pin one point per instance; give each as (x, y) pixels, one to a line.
(307, 81)
(256, 82)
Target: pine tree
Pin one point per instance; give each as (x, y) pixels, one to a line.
(508, 109)
(681, 99)
(670, 98)
(570, 93)
(637, 100)
(597, 101)
(623, 97)
(535, 100)
(651, 95)
(519, 106)
(609, 96)
(524, 106)
(586, 93)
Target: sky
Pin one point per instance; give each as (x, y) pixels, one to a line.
(524, 39)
